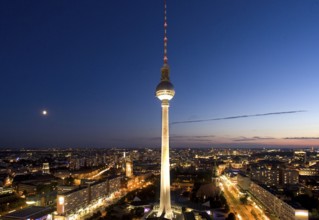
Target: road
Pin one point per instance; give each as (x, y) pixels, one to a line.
(101, 172)
(242, 212)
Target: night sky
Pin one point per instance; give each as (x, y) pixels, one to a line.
(245, 72)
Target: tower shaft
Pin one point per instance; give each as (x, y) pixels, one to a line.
(165, 196)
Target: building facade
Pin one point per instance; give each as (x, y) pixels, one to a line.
(275, 177)
(71, 201)
(273, 204)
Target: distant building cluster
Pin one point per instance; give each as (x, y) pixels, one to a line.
(76, 181)
(72, 180)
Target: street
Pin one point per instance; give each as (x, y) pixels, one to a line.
(243, 212)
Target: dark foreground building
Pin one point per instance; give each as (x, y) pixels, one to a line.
(33, 212)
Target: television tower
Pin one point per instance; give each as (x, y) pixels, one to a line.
(165, 92)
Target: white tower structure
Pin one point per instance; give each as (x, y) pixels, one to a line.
(165, 92)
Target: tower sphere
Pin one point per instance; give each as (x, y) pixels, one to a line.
(165, 89)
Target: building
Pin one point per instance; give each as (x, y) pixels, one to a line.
(243, 182)
(33, 212)
(46, 168)
(277, 206)
(72, 201)
(7, 190)
(98, 190)
(275, 177)
(128, 168)
(114, 184)
(27, 188)
(266, 176)
(290, 177)
(307, 171)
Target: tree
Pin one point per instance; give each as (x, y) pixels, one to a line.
(226, 208)
(69, 180)
(231, 216)
(43, 188)
(244, 199)
(127, 217)
(308, 202)
(139, 211)
(314, 213)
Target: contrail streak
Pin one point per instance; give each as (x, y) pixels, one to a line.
(239, 116)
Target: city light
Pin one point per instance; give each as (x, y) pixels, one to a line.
(165, 97)
(61, 200)
(301, 213)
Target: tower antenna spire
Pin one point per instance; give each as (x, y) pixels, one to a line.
(165, 68)
(165, 33)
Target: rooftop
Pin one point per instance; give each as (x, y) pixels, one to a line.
(32, 212)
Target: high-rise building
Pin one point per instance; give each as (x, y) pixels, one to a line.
(165, 92)
(46, 168)
(128, 168)
(275, 177)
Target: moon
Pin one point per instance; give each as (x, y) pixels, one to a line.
(44, 112)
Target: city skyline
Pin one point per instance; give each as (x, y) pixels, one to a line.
(245, 71)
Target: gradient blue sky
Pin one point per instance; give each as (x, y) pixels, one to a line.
(94, 66)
